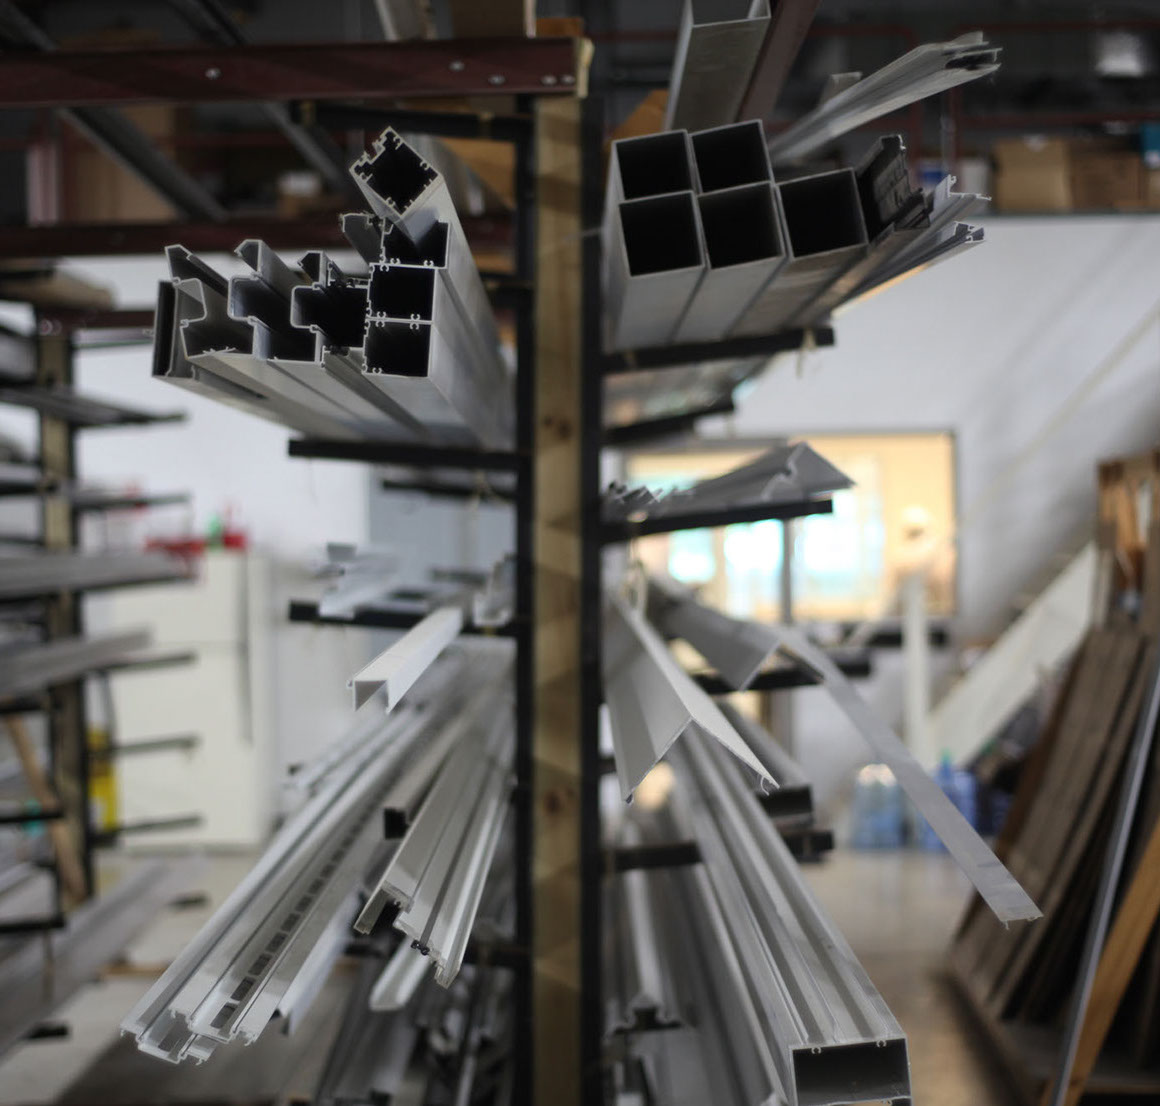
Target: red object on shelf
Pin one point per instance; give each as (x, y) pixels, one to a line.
(188, 548)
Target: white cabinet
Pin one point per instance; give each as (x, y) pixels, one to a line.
(222, 699)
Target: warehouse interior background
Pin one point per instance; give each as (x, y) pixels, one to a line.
(999, 418)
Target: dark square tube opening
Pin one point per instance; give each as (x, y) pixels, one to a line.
(729, 156)
(822, 212)
(660, 234)
(401, 349)
(654, 164)
(402, 291)
(740, 225)
(396, 172)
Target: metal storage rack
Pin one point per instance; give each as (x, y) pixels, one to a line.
(51, 354)
(559, 533)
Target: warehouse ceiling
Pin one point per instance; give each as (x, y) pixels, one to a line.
(1074, 67)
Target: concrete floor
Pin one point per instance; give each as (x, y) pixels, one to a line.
(898, 911)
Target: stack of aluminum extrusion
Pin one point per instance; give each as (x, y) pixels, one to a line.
(725, 981)
(397, 795)
(407, 352)
(701, 244)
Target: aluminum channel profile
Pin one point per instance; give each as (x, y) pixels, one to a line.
(735, 646)
(831, 1036)
(211, 354)
(730, 155)
(652, 701)
(398, 982)
(263, 300)
(395, 670)
(718, 43)
(437, 873)
(826, 235)
(924, 71)
(744, 241)
(654, 262)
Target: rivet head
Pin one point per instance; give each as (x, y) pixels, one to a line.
(549, 79)
(497, 78)
(568, 78)
(457, 67)
(212, 73)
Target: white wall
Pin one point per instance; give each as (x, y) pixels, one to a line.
(990, 345)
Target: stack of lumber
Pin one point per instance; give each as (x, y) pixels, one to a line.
(1019, 981)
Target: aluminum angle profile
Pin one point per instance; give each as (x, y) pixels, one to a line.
(655, 260)
(708, 631)
(794, 794)
(718, 43)
(831, 1037)
(924, 71)
(652, 701)
(395, 670)
(826, 234)
(744, 242)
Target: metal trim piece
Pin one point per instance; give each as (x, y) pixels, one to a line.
(395, 670)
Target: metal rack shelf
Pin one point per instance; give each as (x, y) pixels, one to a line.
(390, 453)
(380, 618)
(79, 410)
(672, 357)
(626, 530)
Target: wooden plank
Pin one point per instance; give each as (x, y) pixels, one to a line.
(1135, 920)
(72, 872)
(557, 734)
(647, 117)
(1080, 814)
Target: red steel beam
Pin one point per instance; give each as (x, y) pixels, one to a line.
(99, 239)
(364, 70)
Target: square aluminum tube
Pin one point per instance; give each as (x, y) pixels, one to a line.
(655, 260)
(418, 352)
(728, 156)
(826, 235)
(718, 43)
(405, 190)
(650, 165)
(744, 239)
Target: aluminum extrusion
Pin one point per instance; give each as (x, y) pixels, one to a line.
(718, 43)
(652, 701)
(395, 670)
(731, 155)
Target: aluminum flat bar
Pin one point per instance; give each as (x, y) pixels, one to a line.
(999, 889)
(28, 577)
(655, 260)
(395, 670)
(718, 43)
(826, 234)
(652, 701)
(730, 156)
(924, 71)
(744, 240)
(34, 668)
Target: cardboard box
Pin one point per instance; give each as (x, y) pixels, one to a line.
(1032, 174)
(1104, 179)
